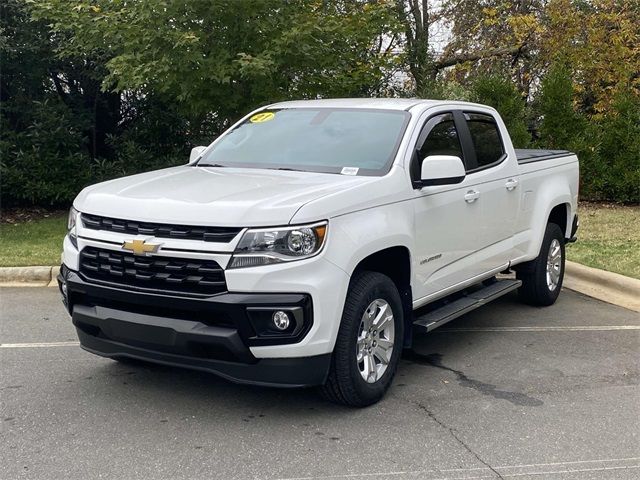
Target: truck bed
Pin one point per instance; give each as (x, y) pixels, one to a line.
(530, 155)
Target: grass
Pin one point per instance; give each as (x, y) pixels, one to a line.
(32, 242)
(609, 238)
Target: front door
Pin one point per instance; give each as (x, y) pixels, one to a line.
(445, 224)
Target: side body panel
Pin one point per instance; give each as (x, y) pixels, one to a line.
(544, 185)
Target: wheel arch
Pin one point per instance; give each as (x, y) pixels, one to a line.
(395, 263)
(553, 203)
(559, 215)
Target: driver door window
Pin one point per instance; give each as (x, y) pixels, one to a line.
(442, 137)
(439, 136)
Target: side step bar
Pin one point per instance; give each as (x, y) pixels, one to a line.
(471, 301)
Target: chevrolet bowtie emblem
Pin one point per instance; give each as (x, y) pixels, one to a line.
(140, 247)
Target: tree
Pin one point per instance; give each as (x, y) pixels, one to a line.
(218, 59)
(561, 126)
(618, 174)
(599, 41)
(501, 93)
(427, 57)
(43, 154)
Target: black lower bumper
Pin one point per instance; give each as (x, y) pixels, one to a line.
(272, 372)
(212, 334)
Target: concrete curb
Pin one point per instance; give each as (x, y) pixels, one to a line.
(41, 276)
(606, 286)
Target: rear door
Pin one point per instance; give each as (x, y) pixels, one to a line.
(493, 177)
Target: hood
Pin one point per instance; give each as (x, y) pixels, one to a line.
(212, 196)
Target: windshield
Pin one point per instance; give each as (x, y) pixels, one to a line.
(347, 141)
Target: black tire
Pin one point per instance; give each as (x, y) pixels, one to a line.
(345, 384)
(535, 289)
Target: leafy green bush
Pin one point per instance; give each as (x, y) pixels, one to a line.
(608, 148)
(45, 163)
(561, 127)
(618, 153)
(501, 93)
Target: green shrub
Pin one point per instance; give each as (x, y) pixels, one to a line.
(47, 161)
(501, 93)
(618, 152)
(608, 148)
(44, 164)
(561, 126)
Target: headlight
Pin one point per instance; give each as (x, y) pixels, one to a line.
(266, 246)
(71, 225)
(71, 221)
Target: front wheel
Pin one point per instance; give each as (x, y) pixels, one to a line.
(369, 342)
(542, 277)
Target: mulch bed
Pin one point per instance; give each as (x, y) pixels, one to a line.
(15, 216)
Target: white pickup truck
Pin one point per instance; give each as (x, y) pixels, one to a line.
(309, 242)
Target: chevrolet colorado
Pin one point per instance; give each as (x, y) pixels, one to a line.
(307, 244)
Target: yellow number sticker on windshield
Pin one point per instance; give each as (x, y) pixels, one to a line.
(262, 117)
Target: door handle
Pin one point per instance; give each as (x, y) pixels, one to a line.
(511, 184)
(471, 196)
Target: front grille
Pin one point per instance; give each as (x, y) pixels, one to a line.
(152, 273)
(162, 230)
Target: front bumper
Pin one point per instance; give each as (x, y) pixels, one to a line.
(213, 334)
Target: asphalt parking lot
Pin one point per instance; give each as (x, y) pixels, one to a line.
(507, 391)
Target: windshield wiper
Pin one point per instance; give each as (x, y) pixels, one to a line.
(288, 169)
(211, 165)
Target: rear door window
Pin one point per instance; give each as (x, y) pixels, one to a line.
(486, 139)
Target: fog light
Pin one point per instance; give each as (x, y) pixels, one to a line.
(281, 320)
(63, 288)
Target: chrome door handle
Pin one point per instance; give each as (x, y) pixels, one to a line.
(511, 184)
(471, 196)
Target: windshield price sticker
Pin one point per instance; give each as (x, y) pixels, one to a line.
(262, 117)
(349, 170)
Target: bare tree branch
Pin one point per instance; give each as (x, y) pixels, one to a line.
(473, 56)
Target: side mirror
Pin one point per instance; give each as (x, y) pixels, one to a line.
(195, 153)
(441, 170)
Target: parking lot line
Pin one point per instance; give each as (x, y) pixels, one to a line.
(39, 345)
(506, 471)
(575, 328)
(568, 328)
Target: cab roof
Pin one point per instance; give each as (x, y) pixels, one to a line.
(377, 103)
(374, 103)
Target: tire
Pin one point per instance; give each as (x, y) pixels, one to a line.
(370, 294)
(541, 287)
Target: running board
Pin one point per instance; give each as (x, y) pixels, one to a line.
(470, 301)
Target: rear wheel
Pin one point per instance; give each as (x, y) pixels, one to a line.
(542, 278)
(369, 342)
